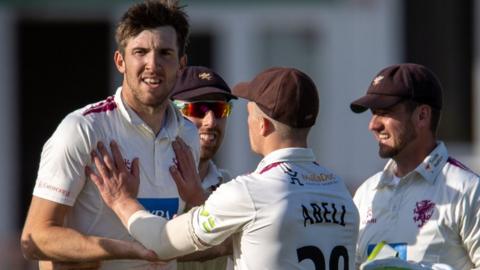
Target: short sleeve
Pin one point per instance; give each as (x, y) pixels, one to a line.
(228, 210)
(64, 156)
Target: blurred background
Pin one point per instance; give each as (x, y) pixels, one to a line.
(56, 56)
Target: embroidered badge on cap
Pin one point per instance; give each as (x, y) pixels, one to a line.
(377, 80)
(205, 76)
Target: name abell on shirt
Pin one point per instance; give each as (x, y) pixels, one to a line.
(323, 212)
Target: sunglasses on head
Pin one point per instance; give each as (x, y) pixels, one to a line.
(221, 109)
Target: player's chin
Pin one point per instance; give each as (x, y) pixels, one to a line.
(387, 151)
(208, 153)
(154, 100)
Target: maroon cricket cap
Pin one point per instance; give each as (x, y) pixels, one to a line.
(195, 81)
(286, 95)
(401, 82)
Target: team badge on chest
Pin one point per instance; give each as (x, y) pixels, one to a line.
(423, 212)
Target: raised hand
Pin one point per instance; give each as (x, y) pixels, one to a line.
(185, 174)
(117, 184)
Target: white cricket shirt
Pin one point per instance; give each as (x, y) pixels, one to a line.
(214, 178)
(290, 213)
(432, 215)
(61, 176)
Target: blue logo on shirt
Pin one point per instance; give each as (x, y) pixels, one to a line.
(401, 248)
(161, 207)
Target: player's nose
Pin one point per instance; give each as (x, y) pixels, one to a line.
(209, 120)
(375, 123)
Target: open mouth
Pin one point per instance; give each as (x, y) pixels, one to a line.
(153, 82)
(383, 137)
(208, 138)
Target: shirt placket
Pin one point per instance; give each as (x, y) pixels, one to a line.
(160, 152)
(149, 161)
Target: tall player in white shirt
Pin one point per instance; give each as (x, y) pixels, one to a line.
(425, 204)
(290, 213)
(68, 221)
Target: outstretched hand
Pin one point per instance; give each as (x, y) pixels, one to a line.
(117, 184)
(185, 174)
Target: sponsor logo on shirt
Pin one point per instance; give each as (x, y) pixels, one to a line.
(162, 207)
(207, 222)
(433, 162)
(128, 164)
(422, 212)
(292, 174)
(48, 186)
(369, 219)
(322, 177)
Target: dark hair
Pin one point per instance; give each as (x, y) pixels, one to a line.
(151, 14)
(411, 105)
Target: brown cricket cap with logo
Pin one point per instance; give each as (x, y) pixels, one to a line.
(287, 95)
(195, 81)
(401, 82)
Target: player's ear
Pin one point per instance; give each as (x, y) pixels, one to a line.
(183, 61)
(422, 116)
(266, 127)
(119, 62)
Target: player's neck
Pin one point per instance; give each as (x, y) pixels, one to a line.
(203, 168)
(412, 155)
(153, 116)
(272, 145)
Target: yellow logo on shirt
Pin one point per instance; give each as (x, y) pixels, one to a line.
(207, 221)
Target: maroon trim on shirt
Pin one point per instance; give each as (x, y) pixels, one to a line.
(270, 166)
(103, 106)
(458, 164)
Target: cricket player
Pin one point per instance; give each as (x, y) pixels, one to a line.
(205, 99)
(290, 213)
(425, 203)
(68, 222)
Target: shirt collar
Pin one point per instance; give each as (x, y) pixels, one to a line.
(428, 169)
(171, 125)
(213, 177)
(286, 154)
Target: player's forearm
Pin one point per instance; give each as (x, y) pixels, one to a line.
(223, 249)
(49, 265)
(65, 244)
(197, 199)
(170, 239)
(124, 209)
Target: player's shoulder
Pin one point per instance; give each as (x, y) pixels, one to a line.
(368, 185)
(234, 191)
(94, 113)
(458, 174)
(100, 109)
